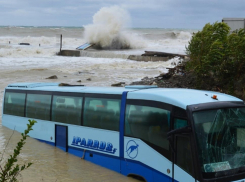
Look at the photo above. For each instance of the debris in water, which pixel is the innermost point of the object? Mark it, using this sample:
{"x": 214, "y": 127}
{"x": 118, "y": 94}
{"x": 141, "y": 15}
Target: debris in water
{"x": 52, "y": 77}
{"x": 120, "y": 84}
{"x": 24, "y": 43}
{"x": 84, "y": 46}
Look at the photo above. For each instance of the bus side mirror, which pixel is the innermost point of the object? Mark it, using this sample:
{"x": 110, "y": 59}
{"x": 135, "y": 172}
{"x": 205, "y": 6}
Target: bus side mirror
{"x": 186, "y": 129}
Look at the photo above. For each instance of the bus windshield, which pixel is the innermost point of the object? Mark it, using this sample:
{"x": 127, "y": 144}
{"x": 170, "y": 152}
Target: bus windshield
{"x": 220, "y": 135}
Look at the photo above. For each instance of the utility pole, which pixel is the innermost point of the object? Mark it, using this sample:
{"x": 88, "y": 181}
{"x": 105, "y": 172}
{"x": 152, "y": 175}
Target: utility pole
{"x": 60, "y": 42}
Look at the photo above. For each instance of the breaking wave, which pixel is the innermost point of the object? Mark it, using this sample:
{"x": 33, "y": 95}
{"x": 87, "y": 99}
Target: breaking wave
{"x": 108, "y": 30}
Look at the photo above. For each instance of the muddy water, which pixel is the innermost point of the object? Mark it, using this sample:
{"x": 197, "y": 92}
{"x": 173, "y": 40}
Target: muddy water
{"x": 49, "y": 163}
{"x": 52, "y": 164}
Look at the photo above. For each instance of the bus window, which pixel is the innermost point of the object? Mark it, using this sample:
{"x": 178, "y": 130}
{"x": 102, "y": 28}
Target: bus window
{"x": 102, "y": 113}
{"x": 220, "y": 135}
{"x": 38, "y": 106}
{"x": 179, "y": 123}
{"x": 148, "y": 123}
{"x": 14, "y": 103}
{"x": 67, "y": 109}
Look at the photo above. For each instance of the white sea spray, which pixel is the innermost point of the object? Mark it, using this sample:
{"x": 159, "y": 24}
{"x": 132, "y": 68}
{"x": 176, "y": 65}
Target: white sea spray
{"x": 108, "y": 30}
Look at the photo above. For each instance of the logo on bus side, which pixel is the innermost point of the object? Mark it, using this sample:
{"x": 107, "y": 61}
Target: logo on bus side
{"x": 93, "y": 144}
{"x": 132, "y": 149}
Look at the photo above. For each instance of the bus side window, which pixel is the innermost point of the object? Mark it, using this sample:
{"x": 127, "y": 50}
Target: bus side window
{"x": 102, "y": 113}
{"x": 14, "y": 103}
{"x": 148, "y": 123}
{"x": 127, "y": 127}
{"x": 38, "y": 106}
{"x": 92, "y": 111}
{"x": 67, "y": 109}
{"x": 8, "y": 104}
{"x": 179, "y": 123}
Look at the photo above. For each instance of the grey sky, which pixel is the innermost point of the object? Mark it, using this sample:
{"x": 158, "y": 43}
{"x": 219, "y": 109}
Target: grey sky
{"x": 144, "y": 13}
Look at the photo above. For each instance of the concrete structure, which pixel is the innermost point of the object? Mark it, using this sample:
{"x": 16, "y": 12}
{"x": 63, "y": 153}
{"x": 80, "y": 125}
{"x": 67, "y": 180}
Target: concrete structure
{"x": 77, "y": 53}
{"x": 109, "y": 54}
{"x": 235, "y": 23}
{"x": 72, "y": 53}
{"x": 147, "y": 58}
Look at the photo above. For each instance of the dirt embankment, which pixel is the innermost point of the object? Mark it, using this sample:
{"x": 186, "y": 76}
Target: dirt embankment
{"x": 179, "y": 77}
{"x": 176, "y": 78}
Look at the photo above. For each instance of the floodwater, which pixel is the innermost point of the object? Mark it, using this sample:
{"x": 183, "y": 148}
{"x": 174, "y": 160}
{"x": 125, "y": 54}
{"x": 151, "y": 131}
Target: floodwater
{"x": 52, "y": 164}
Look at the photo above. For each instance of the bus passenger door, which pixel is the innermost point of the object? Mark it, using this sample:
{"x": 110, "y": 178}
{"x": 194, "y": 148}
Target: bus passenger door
{"x": 183, "y": 164}
{"x": 61, "y": 137}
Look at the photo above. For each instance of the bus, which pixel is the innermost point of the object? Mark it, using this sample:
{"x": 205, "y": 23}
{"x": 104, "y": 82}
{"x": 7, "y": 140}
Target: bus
{"x": 154, "y": 134}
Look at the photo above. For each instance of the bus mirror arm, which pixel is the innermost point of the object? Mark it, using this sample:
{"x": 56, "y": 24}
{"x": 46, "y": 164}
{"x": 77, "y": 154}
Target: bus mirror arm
{"x": 186, "y": 129}
{"x": 171, "y": 143}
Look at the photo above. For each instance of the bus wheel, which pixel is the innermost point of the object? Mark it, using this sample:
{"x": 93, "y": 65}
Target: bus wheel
{"x": 138, "y": 177}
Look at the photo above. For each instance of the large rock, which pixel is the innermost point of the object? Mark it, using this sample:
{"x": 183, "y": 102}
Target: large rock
{"x": 119, "y": 84}
{"x": 52, "y": 77}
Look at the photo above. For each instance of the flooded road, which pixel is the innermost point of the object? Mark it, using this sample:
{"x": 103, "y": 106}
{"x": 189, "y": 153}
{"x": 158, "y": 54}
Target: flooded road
{"x": 52, "y": 164}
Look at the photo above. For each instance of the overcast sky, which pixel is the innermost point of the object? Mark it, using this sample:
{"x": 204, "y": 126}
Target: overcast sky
{"x": 193, "y": 14}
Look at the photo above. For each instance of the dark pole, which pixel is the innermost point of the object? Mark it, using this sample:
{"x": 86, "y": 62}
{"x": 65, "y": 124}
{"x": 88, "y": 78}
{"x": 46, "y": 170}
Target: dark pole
{"x": 60, "y": 42}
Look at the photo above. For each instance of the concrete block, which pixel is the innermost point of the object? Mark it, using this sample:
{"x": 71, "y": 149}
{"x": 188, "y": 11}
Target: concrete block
{"x": 73, "y": 53}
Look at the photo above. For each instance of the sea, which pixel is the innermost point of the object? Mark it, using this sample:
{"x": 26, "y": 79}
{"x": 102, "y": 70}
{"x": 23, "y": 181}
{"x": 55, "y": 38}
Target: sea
{"x": 95, "y": 67}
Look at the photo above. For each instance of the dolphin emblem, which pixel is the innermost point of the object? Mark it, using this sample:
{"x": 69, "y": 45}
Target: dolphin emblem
{"x": 132, "y": 148}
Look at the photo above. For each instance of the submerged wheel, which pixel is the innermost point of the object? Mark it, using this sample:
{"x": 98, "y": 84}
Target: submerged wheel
{"x": 138, "y": 177}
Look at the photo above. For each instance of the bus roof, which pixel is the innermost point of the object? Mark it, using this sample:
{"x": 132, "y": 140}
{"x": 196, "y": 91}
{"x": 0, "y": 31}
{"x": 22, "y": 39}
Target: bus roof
{"x": 175, "y": 96}
{"x": 181, "y": 97}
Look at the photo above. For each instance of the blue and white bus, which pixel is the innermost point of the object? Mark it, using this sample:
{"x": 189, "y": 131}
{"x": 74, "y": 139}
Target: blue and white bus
{"x": 156, "y": 134}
